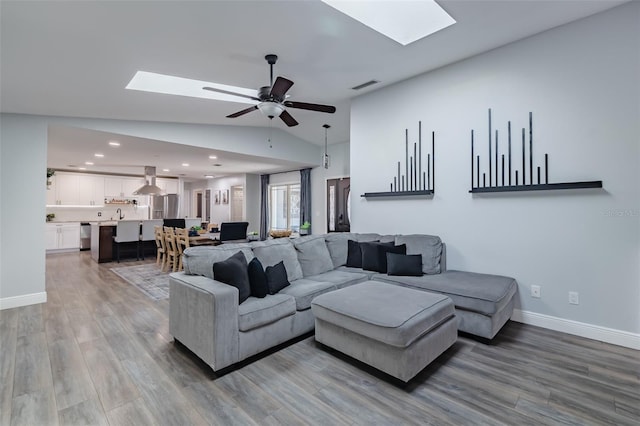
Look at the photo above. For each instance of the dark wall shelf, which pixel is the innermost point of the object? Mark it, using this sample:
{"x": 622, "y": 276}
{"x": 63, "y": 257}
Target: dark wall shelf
{"x": 397, "y": 194}
{"x": 539, "y": 187}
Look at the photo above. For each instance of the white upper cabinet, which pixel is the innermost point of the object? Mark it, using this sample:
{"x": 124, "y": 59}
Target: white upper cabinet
{"x": 91, "y": 190}
{"x": 121, "y": 187}
{"x": 68, "y": 189}
{"x": 170, "y": 186}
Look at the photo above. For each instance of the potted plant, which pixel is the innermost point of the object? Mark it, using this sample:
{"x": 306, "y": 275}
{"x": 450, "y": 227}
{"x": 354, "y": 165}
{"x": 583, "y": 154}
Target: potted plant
{"x": 305, "y": 228}
{"x": 50, "y": 173}
{"x": 253, "y": 236}
{"x": 50, "y": 217}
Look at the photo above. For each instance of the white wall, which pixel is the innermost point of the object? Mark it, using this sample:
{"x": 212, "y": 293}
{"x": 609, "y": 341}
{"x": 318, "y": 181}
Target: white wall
{"x": 338, "y": 168}
{"x": 23, "y": 156}
{"x": 582, "y": 82}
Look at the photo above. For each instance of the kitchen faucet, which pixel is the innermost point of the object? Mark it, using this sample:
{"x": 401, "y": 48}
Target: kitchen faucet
{"x": 119, "y": 211}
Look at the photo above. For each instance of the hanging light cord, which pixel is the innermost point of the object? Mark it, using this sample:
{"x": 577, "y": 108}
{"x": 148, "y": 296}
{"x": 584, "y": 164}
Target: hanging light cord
{"x": 270, "y": 131}
{"x": 326, "y": 156}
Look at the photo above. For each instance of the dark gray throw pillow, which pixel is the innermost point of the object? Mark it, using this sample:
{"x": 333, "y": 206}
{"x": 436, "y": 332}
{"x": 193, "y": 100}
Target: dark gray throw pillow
{"x": 233, "y": 271}
{"x": 354, "y": 254}
{"x": 257, "y": 279}
{"x": 276, "y": 277}
{"x": 404, "y": 264}
{"x": 374, "y": 255}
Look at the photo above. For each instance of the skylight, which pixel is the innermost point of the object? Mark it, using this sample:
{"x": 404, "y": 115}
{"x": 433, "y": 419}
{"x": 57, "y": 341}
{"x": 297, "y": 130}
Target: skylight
{"x": 400, "y": 20}
{"x": 171, "y": 85}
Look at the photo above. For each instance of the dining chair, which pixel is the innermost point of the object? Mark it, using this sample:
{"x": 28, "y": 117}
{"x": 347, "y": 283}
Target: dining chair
{"x": 182, "y": 242}
{"x": 127, "y": 231}
{"x": 171, "y": 249}
{"x": 160, "y": 246}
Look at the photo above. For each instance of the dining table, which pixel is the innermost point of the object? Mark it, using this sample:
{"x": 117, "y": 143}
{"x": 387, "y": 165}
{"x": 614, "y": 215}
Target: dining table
{"x": 206, "y": 239}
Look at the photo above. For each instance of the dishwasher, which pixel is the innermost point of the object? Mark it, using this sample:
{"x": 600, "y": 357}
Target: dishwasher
{"x": 85, "y": 236}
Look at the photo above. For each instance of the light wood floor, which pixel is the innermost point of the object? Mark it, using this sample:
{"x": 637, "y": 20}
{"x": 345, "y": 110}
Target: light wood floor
{"x": 99, "y": 352}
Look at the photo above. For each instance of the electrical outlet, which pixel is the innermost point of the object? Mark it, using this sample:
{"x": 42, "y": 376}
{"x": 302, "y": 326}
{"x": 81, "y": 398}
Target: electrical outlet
{"x": 573, "y": 298}
{"x": 535, "y": 291}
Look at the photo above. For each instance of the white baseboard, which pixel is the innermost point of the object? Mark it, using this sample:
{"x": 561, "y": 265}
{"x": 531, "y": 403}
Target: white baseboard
{"x": 595, "y": 332}
{"x": 24, "y": 300}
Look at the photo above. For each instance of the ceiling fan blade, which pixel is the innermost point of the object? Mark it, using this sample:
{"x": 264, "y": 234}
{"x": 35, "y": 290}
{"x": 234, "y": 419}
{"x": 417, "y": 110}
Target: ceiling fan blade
{"x": 288, "y": 119}
{"x": 243, "y": 112}
{"x": 226, "y": 92}
{"x": 280, "y": 87}
{"x": 312, "y": 107}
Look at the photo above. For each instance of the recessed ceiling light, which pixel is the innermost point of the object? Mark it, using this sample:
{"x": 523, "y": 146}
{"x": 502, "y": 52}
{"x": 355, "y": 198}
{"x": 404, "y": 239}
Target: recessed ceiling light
{"x": 89, "y": 163}
{"x": 212, "y": 157}
{"x": 401, "y": 21}
{"x": 98, "y": 155}
{"x": 185, "y": 164}
{"x": 82, "y": 168}
{"x": 166, "y": 170}
{"x": 208, "y": 176}
{"x": 159, "y": 83}
{"x": 114, "y": 143}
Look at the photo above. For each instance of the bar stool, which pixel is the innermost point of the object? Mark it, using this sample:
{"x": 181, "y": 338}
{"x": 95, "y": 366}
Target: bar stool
{"x": 148, "y": 232}
{"x": 127, "y": 231}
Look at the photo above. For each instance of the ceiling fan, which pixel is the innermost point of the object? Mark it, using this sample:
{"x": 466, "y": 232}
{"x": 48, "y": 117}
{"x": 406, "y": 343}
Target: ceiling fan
{"x": 272, "y": 99}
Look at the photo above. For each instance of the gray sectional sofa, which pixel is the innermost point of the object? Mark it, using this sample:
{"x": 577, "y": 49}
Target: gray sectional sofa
{"x": 206, "y": 317}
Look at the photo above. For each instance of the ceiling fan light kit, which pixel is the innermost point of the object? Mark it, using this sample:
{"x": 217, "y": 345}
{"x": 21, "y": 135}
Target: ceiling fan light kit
{"x": 271, "y": 99}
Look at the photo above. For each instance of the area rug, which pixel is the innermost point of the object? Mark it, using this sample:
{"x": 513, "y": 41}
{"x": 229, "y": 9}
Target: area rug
{"x": 148, "y": 278}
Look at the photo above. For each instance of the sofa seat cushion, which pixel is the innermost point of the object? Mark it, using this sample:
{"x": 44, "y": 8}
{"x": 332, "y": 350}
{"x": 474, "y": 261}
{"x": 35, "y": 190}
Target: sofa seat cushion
{"x": 304, "y": 291}
{"x": 256, "y": 312}
{"x": 482, "y": 293}
{"x": 351, "y": 270}
{"x": 341, "y": 278}
{"x": 384, "y": 312}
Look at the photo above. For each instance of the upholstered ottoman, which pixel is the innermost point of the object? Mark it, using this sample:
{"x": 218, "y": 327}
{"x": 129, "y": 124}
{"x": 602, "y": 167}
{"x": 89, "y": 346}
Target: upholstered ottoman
{"x": 395, "y": 329}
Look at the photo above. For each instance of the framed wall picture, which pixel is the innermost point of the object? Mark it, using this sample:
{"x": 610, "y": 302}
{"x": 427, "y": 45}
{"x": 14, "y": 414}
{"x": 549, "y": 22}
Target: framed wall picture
{"x": 225, "y": 196}
{"x": 216, "y": 197}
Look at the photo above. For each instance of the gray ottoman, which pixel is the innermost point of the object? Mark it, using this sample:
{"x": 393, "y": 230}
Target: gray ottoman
{"x": 395, "y": 329}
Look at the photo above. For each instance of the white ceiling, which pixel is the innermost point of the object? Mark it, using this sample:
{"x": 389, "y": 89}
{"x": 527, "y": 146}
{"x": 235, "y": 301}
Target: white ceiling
{"x": 75, "y": 58}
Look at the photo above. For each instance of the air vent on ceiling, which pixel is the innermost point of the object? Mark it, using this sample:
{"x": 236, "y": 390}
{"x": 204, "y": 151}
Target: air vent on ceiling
{"x": 367, "y": 84}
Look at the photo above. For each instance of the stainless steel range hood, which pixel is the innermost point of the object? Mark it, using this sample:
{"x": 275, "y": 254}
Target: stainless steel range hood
{"x": 150, "y": 187}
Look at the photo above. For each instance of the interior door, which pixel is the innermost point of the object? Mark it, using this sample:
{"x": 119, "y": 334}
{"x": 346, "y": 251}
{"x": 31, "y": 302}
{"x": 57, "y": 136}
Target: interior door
{"x": 338, "y": 205}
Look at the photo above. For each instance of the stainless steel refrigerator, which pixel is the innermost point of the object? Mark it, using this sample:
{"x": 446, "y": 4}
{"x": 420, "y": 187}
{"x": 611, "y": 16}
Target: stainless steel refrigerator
{"x": 165, "y": 206}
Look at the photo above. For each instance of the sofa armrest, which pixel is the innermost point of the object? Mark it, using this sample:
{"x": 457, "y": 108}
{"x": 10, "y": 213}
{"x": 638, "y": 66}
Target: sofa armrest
{"x": 203, "y": 316}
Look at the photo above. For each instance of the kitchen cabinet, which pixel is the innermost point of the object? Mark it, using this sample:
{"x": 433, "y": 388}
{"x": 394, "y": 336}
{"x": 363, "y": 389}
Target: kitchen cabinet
{"x": 62, "y": 236}
{"x": 91, "y": 190}
{"x": 170, "y": 186}
{"x": 74, "y": 189}
{"x": 102, "y": 242}
{"x": 121, "y": 187}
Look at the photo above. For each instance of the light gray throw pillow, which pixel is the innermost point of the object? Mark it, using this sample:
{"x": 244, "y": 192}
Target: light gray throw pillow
{"x": 313, "y": 255}
{"x": 429, "y": 246}
{"x": 285, "y": 252}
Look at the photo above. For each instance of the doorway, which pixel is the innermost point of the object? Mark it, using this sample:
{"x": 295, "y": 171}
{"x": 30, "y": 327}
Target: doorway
{"x": 237, "y": 203}
{"x": 338, "y": 205}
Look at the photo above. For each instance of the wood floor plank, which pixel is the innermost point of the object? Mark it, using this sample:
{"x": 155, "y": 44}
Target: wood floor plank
{"x": 8, "y": 339}
{"x": 216, "y": 406}
{"x": 88, "y": 412}
{"x": 110, "y": 379}
{"x": 84, "y": 326}
{"x": 160, "y": 394}
{"x": 71, "y": 380}
{"x": 134, "y": 413}
{"x": 32, "y": 367}
{"x": 30, "y": 320}
{"x": 35, "y": 408}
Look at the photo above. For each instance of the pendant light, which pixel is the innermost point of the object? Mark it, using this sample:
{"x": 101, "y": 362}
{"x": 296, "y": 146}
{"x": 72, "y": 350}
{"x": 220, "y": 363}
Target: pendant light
{"x": 325, "y": 158}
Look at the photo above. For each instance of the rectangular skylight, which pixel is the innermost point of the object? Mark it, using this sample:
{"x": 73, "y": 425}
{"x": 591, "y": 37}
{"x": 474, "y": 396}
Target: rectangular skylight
{"x": 171, "y": 85}
{"x": 400, "y": 20}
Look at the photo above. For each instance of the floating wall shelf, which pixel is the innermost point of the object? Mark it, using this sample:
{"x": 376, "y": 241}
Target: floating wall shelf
{"x": 415, "y": 182}
{"x": 520, "y": 182}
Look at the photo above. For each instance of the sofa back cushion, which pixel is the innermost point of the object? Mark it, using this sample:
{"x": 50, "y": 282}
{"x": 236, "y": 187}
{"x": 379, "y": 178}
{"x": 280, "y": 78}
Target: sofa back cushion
{"x": 429, "y": 246}
{"x": 200, "y": 260}
{"x": 313, "y": 255}
{"x": 337, "y": 247}
{"x": 271, "y": 254}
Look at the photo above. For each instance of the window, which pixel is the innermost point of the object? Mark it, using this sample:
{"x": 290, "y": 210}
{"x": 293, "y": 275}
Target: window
{"x": 284, "y": 207}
